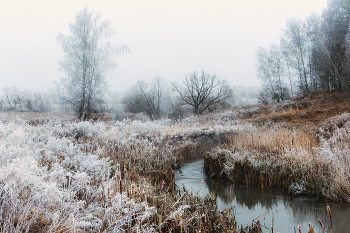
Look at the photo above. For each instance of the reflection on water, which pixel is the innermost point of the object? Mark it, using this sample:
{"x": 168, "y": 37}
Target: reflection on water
{"x": 286, "y": 212}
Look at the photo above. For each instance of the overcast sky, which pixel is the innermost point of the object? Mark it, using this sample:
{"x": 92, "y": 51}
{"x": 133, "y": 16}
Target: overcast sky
{"x": 166, "y": 38}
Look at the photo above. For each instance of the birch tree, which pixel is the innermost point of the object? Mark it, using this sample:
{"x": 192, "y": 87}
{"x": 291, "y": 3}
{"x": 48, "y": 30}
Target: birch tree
{"x": 87, "y": 59}
{"x": 294, "y": 42}
{"x": 272, "y": 71}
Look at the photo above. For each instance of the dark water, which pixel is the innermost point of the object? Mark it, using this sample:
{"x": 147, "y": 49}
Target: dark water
{"x": 286, "y": 211}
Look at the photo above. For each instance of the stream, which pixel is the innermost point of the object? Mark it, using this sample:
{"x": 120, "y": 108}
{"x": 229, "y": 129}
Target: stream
{"x": 286, "y": 212}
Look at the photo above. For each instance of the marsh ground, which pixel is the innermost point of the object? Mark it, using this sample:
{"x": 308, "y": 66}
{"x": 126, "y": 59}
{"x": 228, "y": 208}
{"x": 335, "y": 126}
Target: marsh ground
{"x": 62, "y": 175}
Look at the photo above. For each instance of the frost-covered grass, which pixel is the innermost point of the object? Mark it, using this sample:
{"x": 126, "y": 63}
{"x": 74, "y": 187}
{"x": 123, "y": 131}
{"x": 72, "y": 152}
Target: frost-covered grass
{"x": 61, "y": 175}
{"x": 294, "y": 159}
{"x": 58, "y": 174}
{"x": 53, "y": 178}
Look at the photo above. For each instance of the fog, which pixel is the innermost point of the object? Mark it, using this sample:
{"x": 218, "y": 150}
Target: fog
{"x": 166, "y": 38}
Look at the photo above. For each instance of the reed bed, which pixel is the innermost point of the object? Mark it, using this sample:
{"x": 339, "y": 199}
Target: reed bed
{"x": 274, "y": 139}
{"x": 294, "y": 160}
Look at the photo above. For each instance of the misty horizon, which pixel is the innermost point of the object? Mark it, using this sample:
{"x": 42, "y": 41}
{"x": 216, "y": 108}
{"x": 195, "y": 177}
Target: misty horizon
{"x": 168, "y": 40}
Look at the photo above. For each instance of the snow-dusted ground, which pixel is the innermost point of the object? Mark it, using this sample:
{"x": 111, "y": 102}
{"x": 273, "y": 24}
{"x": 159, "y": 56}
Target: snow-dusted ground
{"x": 53, "y": 177}
{"x": 56, "y": 174}
{"x": 61, "y": 175}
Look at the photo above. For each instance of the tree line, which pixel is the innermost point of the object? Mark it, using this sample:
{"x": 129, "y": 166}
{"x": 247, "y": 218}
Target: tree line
{"x": 13, "y": 99}
{"x": 196, "y": 93}
{"x": 88, "y": 56}
{"x": 152, "y": 100}
{"x": 312, "y": 55}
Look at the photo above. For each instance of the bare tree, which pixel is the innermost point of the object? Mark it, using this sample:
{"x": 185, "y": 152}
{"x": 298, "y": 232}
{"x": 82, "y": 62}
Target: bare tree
{"x": 203, "y": 91}
{"x": 272, "y": 71}
{"x": 264, "y": 96}
{"x": 265, "y": 71}
{"x": 289, "y": 72}
{"x": 335, "y": 25}
{"x": 146, "y": 98}
{"x": 87, "y": 59}
{"x": 158, "y": 87}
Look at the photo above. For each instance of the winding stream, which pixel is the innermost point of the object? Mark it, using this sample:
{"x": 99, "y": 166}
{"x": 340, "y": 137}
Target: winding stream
{"x": 287, "y": 212}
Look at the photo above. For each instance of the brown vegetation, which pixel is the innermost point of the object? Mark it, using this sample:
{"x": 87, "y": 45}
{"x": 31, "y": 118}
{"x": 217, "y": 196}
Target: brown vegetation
{"x": 306, "y": 109}
{"x": 289, "y": 151}
{"x": 141, "y": 159}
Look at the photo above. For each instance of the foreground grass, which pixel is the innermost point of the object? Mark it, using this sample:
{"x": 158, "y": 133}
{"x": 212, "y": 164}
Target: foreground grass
{"x": 62, "y": 175}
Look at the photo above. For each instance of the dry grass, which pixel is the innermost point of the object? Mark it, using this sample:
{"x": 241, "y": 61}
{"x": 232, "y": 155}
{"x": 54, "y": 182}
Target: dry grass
{"x": 309, "y": 109}
{"x": 176, "y": 211}
{"x": 294, "y": 160}
{"x": 274, "y": 139}
{"x": 288, "y": 150}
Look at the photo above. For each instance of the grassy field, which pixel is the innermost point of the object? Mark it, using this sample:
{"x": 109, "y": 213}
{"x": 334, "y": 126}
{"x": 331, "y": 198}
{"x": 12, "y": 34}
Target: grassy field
{"x": 62, "y": 175}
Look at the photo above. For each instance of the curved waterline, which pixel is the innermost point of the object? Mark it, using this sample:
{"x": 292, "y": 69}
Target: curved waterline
{"x": 286, "y": 211}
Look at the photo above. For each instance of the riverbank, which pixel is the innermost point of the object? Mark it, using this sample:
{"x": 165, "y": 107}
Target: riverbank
{"x": 269, "y": 206}
{"x": 293, "y": 160}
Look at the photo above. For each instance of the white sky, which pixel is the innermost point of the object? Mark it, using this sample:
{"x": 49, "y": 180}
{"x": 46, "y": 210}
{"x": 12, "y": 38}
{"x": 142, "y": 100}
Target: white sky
{"x": 166, "y": 38}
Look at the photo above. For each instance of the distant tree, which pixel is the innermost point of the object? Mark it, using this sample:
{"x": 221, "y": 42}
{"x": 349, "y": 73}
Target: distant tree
{"x": 264, "y": 96}
{"x": 313, "y": 31}
{"x": 175, "y": 108}
{"x": 158, "y": 88}
{"x": 146, "y": 98}
{"x": 37, "y": 101}
{"x": 14, "y": 98}
{"x": 335, "y": 24}
{"x": 116, "y": 107}
{"x": 245, "y": 95}
{"x": 295, "y": 45}
{"x": 2, "y": 101}
{"x": 289, "y": 72}
{"x": 87, "y": 59}
{"x": 315, "y": 53}
{"x": 272, "y": 71}
{"x": 203, "y": 91}
{"x": 265, "y": 70}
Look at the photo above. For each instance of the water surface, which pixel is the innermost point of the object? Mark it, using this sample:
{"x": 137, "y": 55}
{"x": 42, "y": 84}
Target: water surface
{"x": 249, "y": 203}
